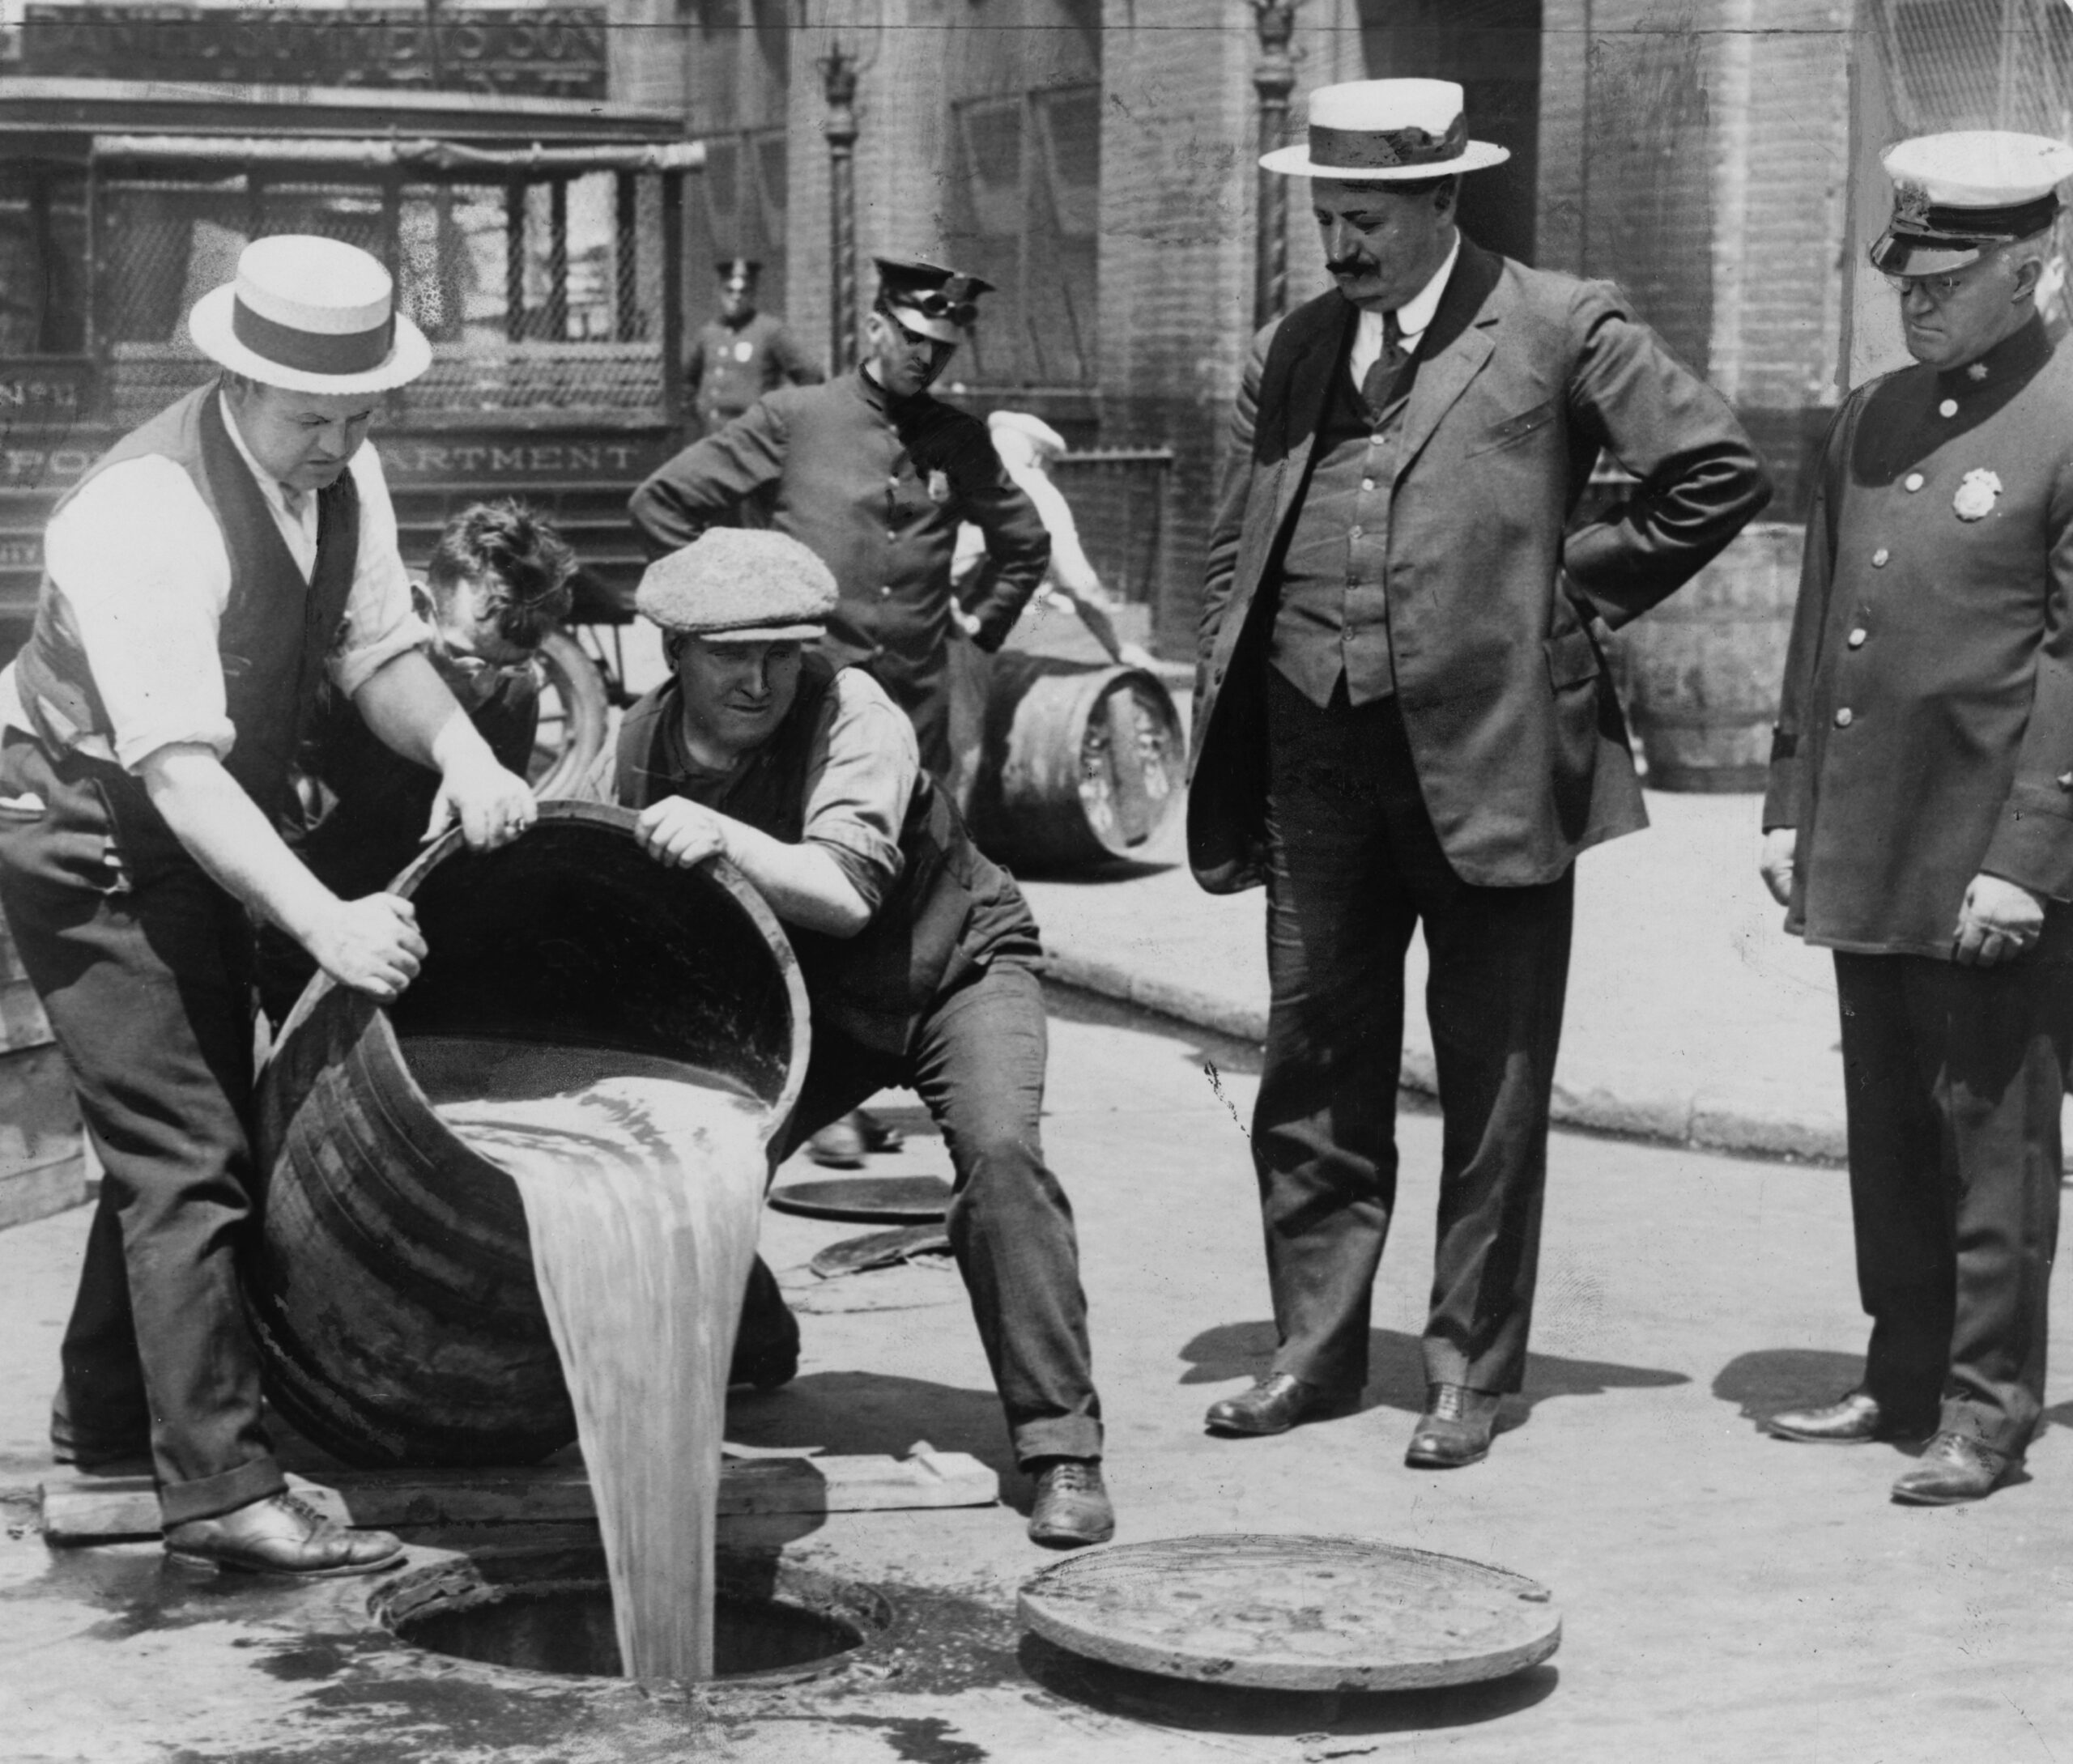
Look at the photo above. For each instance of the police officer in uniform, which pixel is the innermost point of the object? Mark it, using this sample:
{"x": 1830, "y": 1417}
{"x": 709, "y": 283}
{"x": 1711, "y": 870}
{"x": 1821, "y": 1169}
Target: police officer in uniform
{"x": 743, "y": 354}
{"x": 916, "y": 952}
{"x": 1919, "y": 821}
{"x": 199, "y": 582}
{"x": 873, "y": 475}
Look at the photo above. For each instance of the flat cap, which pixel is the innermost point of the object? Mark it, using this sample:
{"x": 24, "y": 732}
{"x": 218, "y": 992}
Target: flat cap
{"x": 734, "y": 585}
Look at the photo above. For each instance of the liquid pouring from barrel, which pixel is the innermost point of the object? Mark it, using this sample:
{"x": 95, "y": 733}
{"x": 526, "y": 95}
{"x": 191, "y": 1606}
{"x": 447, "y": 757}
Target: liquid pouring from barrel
{"x": 393, "y": 1289}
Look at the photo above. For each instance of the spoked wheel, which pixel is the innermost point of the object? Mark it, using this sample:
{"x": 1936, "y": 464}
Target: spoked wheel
{"x": 572, "y": 719}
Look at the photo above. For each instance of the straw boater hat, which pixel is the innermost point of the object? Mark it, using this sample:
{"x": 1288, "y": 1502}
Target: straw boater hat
{"x": 1386, "y": 131}
{"x": 738, "y": 584}
{"x": 1957, "y": 195}
{"x": 310, "y": 315}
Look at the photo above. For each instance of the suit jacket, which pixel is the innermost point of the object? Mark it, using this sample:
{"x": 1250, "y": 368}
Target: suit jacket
{"x": 1523, "y": 377}
{"x": 1926, "y": 729}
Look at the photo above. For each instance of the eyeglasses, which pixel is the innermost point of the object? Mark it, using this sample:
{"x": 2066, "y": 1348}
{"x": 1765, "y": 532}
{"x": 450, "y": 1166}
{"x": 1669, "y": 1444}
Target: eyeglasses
{"x": 1939, "y": 288}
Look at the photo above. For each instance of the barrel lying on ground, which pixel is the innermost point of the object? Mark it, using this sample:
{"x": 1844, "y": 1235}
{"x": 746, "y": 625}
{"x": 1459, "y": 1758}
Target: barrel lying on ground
{"x": 391, "y": 1287}
{"x": 1080, "y": 766}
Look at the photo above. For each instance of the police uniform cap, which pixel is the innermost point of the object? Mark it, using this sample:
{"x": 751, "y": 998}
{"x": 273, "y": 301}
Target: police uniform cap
{"x": 1957, "y": 195}
{"x": 930, "y": 299}
{"x": 736, "y": 585}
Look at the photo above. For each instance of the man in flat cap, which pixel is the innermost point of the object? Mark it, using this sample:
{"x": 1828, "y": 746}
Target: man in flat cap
{"x": 1402, "y": 718}
{"x": 743, "y": 353}
{"x": 916, "y": 950}
{"x": 201, "y": 579}
{"x": 1919, "y": 821}
{"x": 873, "y": 475}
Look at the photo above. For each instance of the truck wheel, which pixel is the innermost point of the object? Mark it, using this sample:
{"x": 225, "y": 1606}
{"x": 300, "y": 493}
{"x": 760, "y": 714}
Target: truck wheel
{"x": 572, "y": 716}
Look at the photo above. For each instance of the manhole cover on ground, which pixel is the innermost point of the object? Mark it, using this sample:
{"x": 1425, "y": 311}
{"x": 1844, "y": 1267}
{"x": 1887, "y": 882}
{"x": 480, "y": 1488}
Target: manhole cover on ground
{"x": 867, "y": 1200}
{"x": 1294, "y": 1613}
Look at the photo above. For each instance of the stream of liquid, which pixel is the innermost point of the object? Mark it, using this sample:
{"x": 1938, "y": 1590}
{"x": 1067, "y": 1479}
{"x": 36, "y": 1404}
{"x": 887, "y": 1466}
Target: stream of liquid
{"x": 643, "y": 1183}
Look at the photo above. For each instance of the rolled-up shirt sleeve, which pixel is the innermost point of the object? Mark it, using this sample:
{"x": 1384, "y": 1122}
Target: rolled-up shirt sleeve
{"x": 381, "y": 623}
{"x": 140, "y": 563}
{"x": 861, "y": 772}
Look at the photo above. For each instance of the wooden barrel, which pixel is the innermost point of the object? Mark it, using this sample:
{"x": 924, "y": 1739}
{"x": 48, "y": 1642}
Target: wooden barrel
{"x": 43, "y": 1164}
{"x": 1702, "y": 672}
{"x": 391, "y": 1285}
{"x": 1082, "y": 765}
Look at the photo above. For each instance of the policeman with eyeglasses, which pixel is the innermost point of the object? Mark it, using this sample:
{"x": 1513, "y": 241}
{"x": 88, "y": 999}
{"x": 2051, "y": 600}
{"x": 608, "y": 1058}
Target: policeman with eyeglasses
{"x": 1919, "y": 821}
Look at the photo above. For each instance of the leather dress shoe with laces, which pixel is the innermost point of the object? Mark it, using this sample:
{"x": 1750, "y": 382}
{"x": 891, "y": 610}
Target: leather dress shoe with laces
{"x": 1953, "y": 1467}
{"x": 1274, "y": 1405}
{"x": 1455, "y": 1430}
{"x": 1855, "y": 1418}
{"x": 844, "y": 1144}
{"x": 281, "y": 1535}
{"x": 1072, "y": 1506}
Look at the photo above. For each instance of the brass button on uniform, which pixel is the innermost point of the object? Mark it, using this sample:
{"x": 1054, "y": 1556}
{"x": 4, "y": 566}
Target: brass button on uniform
{"x": 885, "y": 594}
{"x": 1857, "y": 637}
{"x": 1948, "y": 407}
{"x": 2066, "y": 780}
{"x": 1880, "y": 558}
{"x": 1844, "y": 717}
{"x": 1913, "y": 481}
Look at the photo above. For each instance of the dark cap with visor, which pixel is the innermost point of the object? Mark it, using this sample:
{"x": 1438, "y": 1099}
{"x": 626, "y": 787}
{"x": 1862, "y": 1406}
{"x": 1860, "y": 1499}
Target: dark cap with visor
{"x": 1958, "y": 196}
{"x": 928, "y": 299}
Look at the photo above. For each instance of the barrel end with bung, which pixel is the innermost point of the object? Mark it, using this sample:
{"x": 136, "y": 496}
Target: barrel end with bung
{"x": 391, "y": 1285}
{"x": 1303, "y": 1614}
{"x": 1083, "y": 766}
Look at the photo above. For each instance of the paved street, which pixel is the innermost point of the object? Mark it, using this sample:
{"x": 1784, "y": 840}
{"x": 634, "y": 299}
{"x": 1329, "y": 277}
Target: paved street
{"x": 1725, "y": 1596}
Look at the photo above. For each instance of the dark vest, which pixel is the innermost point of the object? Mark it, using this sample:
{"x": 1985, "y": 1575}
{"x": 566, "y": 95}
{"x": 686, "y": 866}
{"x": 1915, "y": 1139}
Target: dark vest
{"x": 951, "y": 910}
{"x": 275, "y": 631}
{"x": 1334, "y": 614}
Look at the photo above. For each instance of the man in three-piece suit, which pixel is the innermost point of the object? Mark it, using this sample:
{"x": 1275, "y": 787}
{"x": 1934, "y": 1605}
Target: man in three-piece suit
{"x": 1402, "y": 716}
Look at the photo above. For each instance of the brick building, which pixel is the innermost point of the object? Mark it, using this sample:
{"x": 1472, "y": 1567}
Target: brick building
{"x": 1097, "y": 158}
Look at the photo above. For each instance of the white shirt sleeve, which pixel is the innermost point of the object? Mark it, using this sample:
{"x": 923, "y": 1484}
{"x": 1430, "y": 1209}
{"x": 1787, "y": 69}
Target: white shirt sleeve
{"x": 381, "y": 621}
{"x": 140, "y": 561}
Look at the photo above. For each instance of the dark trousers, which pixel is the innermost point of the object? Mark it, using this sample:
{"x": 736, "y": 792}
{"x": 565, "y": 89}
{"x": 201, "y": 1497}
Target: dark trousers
{"x": 1954, "y": 1077}
{"x": 148, "y": 990}
{"x": 1355, "y": 866}
{"x": 977, "y": 1062}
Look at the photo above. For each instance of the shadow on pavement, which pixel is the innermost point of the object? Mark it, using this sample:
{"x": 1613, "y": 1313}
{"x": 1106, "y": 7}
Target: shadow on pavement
{"x": 1766, "y": 1381}
{"x": 1318, "y": 1716}
{"x": 1396, "y": 1369}
{"x": 873, "y": 1413}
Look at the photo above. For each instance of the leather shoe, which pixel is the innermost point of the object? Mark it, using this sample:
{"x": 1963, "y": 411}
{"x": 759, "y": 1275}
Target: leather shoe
{"x": 1273, "y": 1405}
{"x": 1855, "y": 1418}
{"x": 282, "y": 1535}
{"x": 1954, "y": 1467}
{"x": 1072, "y": 1506}
{"x": 844, "y": 1144}
{"x": 1455, "y": 1429}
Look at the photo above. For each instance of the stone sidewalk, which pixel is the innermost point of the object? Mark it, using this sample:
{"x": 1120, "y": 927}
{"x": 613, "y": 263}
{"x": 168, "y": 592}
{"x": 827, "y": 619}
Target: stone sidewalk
{"x": 1692, "y": 1018}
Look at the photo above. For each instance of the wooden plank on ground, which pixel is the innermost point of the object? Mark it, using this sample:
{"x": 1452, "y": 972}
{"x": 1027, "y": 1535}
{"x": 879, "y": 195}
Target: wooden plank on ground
{"x": 83, "y": 1509}
{"x": 36, "y": 1193}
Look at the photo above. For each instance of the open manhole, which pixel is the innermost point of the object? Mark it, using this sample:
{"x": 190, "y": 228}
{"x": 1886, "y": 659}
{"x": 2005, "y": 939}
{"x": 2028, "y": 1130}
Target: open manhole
{"x": 549, "y": 1609}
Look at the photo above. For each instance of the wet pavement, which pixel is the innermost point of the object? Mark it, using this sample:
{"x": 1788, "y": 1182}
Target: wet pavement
{"x": 1725, "y": 1596}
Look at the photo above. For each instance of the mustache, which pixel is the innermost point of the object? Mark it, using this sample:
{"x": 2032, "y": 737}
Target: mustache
{"x": 1349, "y": 266}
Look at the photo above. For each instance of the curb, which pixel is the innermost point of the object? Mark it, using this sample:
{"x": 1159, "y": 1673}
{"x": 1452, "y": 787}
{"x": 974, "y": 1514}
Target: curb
{"x": 1686, "y": 1121}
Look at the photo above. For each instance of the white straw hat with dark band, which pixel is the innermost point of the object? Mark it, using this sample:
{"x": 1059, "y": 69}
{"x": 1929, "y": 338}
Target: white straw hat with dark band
{"x": 1386, "y": 131}
{"x": 310, "y": 314}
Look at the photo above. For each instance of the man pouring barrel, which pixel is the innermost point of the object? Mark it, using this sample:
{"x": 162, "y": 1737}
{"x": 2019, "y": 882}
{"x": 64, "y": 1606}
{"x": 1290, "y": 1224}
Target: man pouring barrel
{"x": 200, "y": 581}
{"x": 916, "y": 952}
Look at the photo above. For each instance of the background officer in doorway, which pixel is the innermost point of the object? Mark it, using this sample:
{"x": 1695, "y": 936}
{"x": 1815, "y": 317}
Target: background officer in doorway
{"x": 743, "y": 354}
{"x": 1920, "y": 814}
{"x": 1402, "y": 719}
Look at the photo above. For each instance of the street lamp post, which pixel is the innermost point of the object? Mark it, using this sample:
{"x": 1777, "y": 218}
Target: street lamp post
{"x": 838, "y": 76}
{"x": 1273, "y": 77}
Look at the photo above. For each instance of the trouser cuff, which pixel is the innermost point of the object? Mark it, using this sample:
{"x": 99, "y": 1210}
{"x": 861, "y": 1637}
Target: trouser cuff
{"x": 1069, "y": 1436}
{"x": 213, "y": 1496}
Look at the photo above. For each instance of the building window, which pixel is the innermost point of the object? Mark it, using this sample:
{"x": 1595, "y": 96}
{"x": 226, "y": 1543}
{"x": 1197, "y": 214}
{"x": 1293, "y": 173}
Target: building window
{"x": 1024, "y": 200}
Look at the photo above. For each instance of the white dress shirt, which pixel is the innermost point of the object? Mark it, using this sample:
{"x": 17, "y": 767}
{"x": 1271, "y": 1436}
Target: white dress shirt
{"x": 143, "y": 566}
{"x": 1413, "y": 318}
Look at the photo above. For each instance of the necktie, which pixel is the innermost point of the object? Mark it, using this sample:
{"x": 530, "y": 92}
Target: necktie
{"x": 1381, "y": 376}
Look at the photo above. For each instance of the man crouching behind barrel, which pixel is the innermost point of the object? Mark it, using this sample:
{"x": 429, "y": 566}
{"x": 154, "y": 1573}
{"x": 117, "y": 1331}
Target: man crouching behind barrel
{"x": 200, "y": 580}
{"x": 915, "y": 950}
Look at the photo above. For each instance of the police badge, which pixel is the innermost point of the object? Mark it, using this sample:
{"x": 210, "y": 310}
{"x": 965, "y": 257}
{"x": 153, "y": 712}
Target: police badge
{"x": 939, "y": 487}
{"x": 1976, "y": 496}
{"x": 1910, "y": 205}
